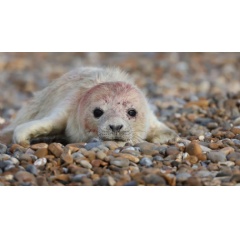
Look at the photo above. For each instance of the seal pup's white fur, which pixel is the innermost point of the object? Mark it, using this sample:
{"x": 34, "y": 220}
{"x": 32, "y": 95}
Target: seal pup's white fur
{"x": 89, "y": 103}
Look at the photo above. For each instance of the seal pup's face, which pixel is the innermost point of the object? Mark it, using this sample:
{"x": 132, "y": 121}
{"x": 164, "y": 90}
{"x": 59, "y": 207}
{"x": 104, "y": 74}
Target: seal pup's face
{"x": 114, "y": 111}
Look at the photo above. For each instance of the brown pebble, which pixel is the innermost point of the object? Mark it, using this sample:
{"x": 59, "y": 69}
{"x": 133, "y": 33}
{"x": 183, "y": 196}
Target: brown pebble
{"x": 66, "y": 156}
{"x": 127, "y": 156}
{"x": 192, "y": 159}
{"x": 42, "y": 152}
{"x": 194, "y": 148}
{"x": 56, "y": 149}
{"x": 39, "y": 146}
{"x": 235, "y": 130}
{"x": 193, "y": 181}
{"x": 172, "y": 150}
{"x": 25, "y": 177}
{"x": 96, "y": 162}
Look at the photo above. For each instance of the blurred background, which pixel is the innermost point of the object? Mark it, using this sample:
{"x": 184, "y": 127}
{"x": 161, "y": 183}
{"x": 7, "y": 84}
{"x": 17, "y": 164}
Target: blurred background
{"x": 170, "y": 80}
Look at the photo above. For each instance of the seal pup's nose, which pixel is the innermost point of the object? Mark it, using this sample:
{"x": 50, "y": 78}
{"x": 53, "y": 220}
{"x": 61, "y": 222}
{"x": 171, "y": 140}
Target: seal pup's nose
{"x": 116, "y": 128}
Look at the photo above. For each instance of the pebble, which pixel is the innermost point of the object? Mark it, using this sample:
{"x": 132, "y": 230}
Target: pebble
{"x": 41, "y": 152}
{"x": 194, "y": 148}
{"x": 56, "y": 149}
{"x": 39, "y": 146}
{"x": 92, "y": 145}
{"x": 128, "y": 156}
{"x": 85, "y": 164}
{"x": 100, "y": 155}
{"x": 14, "y": 160}
{"x": 25, "y": 177}
{"x": 120, "y": 162}
{"x": 216, "y": 156}
{"x": 40, "y": 162}
{"x": 154, "y": 179}
{"x": 181, "y": 177}
{"x": 32, "y": 169}
{"x": 146, "y": 162}
{"x": 233, "y": 156}
{"x": 3, "y": 148}
{"x": 78, "y": 177}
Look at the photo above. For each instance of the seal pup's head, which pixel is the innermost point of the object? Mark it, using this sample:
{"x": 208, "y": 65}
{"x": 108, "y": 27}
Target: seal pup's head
{"x": 114, "y": 111}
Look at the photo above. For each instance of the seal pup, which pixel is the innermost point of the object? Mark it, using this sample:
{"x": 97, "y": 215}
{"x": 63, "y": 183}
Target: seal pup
{"x": 89, "y": 103}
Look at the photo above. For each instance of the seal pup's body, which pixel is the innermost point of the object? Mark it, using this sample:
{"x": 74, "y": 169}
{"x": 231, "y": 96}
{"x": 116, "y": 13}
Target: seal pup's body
{"x": 89, "y": 103}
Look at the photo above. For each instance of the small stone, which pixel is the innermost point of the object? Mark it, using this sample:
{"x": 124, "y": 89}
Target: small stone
{"x": 41, "y": 152}
{"x": 3, "y": 149}
{"x": 25, "y": 177}
{"x": 66, "y": 156}
{"x": 32, "y": 169}
{"x": 154, "y": 179}
{"x": 111, "y": 145}
{"x": 39, "y": 146}
{"x": 216, "y": 156}
{"x": 111, "y": 181}
{"x": 213, "y": 167}
{"x": 172, "y": 150}
{"x": 78, "y": 177}
{"x": 193, "y": 181}
{"x": 4, "y": 157}
{"x": 236, "y": 130}
{"x": 158, "y": 158}
{"x": 120, "y": 162}
{"x": 92, "y": 145}
{"x": 227, "y": 150}
{"x": 194, "y": 148}
{"x": 183, "y": 176}
{"x": 101, "y": 155}
{"x": 212, "y": 125}
{"x": 40, "y": 162}
{"x": 203, "y": 173}
{"x": 227, "y": 163}
{"x": 96, "y": 162}
{"x": 9, "y": 167}
{"x": 128, "y": 156}
{"x": 146, "y": 162}
{"x": 14, "y": 160}
{"x": 85, "y": 164}
{"x": 56, "y": 149}
{"x": 233, "y": 156}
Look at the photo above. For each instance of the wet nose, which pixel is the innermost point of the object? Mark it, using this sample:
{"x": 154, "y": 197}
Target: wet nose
{"x": 116, "y": 128}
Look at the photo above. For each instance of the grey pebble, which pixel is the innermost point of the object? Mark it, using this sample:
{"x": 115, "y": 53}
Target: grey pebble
{"x": 8, "y": 167}
{"x": 216, "y": 156}
{"x": 204, "y": 173}
{"x": 78, "y": 177}
{"x": 1, "y": 171}
{"x": 146, "y": 162}
{"x": 158, "y": 158}
{"x": 120, "y": 162}
{"x": 32, "y": 169}
{"x": 77, "y": 155}
{"x": 92, "y": 145}
{"x": 183, "y": 176}
{"x": 3, "y": 149}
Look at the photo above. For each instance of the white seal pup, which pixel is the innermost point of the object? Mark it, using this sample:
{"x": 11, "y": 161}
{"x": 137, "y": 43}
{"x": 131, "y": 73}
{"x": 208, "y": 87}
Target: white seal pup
{"x": 89, "y": 103}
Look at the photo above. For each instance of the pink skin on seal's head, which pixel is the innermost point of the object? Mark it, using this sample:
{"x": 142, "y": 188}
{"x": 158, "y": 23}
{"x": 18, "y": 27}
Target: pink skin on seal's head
{"x": 115, "y": 99}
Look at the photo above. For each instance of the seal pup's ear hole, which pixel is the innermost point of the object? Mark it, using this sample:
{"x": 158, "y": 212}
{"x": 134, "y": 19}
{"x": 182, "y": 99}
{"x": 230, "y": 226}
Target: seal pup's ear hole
{"x": 132, "y": 112}
{"x": 97, "y": 112}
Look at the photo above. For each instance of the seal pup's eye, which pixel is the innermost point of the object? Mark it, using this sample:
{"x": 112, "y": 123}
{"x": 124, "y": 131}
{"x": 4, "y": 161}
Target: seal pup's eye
{"x": 98, "y": 112}
{"x": 132, "y": 112}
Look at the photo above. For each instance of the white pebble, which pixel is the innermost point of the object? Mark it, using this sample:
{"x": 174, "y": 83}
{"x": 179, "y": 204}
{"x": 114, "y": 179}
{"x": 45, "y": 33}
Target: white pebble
{"x": 201, "y": 138}
{"x": 40, "y": 162}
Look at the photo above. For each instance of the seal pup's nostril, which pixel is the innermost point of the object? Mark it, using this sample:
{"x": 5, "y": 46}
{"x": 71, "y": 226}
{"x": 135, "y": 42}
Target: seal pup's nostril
{"x": 116, "y": 128}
